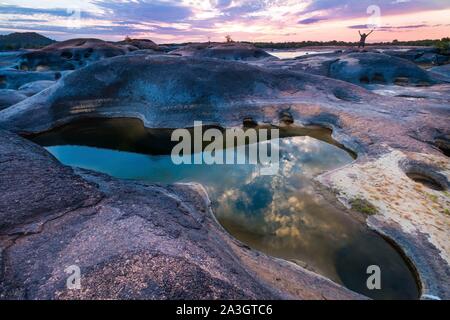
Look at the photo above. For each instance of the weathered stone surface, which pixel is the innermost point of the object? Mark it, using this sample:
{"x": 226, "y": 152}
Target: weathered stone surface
{"x": 432, "y": 58}
{"x": 439, "y": 93}
{"x": 318, "y": 64}
{"x": 14, "y": 79}
{"x": 140, "y": 44}
{"x": 130, "y": 240}
{"x": 360, "y": 68}
{"x": 9, "y": 59}
{"x": 143, "y": 86}
{"x": 56, "y": 191}
{"x": 145, "y": 52}
{"x": 224, "y": 51}
{"x": 377, "y": 68}
{"x": 70, "y": 55}
{"x": 411, "y": 54}
{"x": 8, "y": 97}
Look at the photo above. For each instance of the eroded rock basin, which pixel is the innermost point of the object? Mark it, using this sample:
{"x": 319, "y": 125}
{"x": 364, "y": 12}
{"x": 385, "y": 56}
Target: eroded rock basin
{"x": 282, "y": 215}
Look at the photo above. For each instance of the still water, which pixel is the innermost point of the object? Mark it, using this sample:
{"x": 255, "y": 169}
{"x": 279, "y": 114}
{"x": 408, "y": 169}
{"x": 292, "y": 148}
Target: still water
{"x": 281, "y": 215}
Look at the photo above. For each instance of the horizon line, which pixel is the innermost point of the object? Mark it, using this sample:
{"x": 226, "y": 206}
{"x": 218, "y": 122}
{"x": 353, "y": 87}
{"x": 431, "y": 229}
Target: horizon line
{"x": 236, "y": 41}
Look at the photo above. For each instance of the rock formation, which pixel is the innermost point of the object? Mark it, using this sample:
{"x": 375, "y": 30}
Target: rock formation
{"x": 8, "y": 97}
{"x": 69, "y": 55}
{"x": 224, "y": 51}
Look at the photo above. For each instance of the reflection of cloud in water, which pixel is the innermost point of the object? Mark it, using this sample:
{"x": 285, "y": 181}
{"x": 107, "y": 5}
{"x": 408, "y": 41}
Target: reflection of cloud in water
{"x": 282, "y": 214}
{"x": 285, "y": 206}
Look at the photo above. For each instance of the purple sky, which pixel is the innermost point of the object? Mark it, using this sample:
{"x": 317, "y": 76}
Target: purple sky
{"x": 253, "y": 20}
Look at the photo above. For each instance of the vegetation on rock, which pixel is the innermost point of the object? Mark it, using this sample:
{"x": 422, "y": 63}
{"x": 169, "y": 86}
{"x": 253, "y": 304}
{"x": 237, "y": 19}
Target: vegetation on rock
{"x": 363, "y": 206}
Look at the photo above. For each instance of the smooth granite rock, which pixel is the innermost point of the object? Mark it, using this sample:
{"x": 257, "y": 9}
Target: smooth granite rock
{"x": 360, "y": 68}
{"x": 421, "y": 55}
{"x": 14, "y": 79}
{"x": 143, "y": 86}
{"x": 377, "y": 68}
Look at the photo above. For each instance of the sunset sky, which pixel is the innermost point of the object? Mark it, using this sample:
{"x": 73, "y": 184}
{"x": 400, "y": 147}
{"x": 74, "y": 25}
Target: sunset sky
{"x": 167, "y": 21}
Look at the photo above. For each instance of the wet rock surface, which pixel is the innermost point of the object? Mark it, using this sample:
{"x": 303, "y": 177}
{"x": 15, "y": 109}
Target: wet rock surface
{"x": 130, "y": 240}
{"x": 140, "y": 44}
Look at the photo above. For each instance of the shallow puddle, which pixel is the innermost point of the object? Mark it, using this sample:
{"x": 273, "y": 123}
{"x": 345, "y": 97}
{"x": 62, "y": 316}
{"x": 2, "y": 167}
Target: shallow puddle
{"x": 281, "y": 215}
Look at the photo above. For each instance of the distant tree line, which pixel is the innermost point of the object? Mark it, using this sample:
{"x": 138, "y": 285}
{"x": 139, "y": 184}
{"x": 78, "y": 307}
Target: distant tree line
{"x": 302, "y": 44}
{"x": 12, "y": 47}
{"x": 443, "y": 44}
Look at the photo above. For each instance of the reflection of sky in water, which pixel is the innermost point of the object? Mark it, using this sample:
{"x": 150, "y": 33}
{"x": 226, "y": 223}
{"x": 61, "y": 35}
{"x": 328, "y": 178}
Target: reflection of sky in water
{"x": 281, "y": 214}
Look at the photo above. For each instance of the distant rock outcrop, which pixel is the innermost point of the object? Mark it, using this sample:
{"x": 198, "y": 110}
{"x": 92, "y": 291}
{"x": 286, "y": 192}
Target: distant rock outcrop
{"x": 139, "y": 44}
{"x": 225, "y": 51}
{"x": 14, "y": 79}
{"x": 70, "y": 55}
{"x": 360, "y": 68}
{"x": 10, "y": 97}
{"x": 52, "y": 216}
{"x": 443, "y": 72}
{"x": 365, "y": 68}
{"x": 23, "y": 40}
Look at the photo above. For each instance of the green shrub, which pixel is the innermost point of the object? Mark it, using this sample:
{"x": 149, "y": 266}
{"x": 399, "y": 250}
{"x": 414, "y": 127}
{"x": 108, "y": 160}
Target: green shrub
{"x": 363, "y": 206}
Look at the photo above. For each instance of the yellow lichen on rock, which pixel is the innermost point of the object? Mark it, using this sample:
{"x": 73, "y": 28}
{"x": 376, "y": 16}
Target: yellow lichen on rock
{"x": 397, "y": 198}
